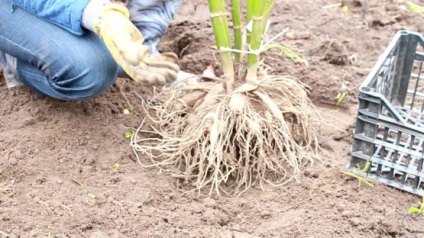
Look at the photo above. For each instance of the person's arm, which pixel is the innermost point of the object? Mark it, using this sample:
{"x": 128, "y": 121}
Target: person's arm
{"x": 152, "y": 17}
{"x": 64, "y": 13}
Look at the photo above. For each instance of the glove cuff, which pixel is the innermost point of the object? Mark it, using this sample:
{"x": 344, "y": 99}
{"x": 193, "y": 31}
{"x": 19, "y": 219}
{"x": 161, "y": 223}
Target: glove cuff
{"x": 92, "y": 12}
{"x": 104, "y": 11}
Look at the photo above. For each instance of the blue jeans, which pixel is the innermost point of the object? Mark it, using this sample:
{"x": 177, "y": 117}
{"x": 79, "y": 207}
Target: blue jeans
{"x": 52, "y": 61}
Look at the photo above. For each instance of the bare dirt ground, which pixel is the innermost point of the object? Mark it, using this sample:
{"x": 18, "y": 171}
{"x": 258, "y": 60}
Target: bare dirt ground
{"x": 57, "y": 176}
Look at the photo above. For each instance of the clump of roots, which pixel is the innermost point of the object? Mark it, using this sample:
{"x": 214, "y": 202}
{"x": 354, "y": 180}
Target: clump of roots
{"x": 228, "y": 141}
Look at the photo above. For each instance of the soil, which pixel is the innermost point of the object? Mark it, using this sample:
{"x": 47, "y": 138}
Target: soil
{"x": 58, "y": 166}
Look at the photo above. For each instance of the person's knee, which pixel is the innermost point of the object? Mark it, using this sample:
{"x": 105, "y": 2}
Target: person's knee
{"x": 87, "y": 78}
{"x": 101, "y": 76}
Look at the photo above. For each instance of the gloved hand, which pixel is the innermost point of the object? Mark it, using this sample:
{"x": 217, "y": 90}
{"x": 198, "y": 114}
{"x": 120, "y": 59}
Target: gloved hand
{"x": 125, "y": 43}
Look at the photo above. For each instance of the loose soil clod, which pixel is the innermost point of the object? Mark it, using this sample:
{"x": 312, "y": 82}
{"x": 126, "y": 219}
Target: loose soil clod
{"x": 333, "y": 52}
{"x": 304, "y": 35}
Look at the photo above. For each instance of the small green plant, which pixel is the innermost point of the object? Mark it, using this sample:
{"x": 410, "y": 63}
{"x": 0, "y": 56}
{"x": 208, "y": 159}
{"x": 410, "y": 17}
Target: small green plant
{"x": 116, "y": 166}
{"x": 413, "y": 7}
{"x": 289, "y": 53}
{"x": 344, "y": 7}
{"x": 418, "y": 9}
{"x": 92, "y": 195}
{"x": 341, "y": 95}
{"x": 419, "y": 209}
{"x": 363, "y": 170}
{"x": 128, "y": 134}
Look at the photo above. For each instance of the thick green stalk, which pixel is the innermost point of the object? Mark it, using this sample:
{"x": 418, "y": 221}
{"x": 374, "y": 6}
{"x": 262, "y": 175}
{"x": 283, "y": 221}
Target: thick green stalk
{"x": 250, "y": 7}
{"x": 223, "y": 39}
{"x": 257, "y": 32}
{"x": 238, "y": 41}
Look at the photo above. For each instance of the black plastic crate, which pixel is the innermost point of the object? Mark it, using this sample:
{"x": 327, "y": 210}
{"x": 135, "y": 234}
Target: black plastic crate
{"x": 389, "y": 130}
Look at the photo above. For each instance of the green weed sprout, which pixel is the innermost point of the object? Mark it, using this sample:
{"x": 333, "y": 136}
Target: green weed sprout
{"x": 344, "y": 7}
{"x": 419, "y": 209}
{"x": 289, "y": 53}
{"x": 418, "y": 9}
{"x": 128, "y": 134}
{"x": 116, "y": 166}
{"x": 413, "y": 7}
{"x": 359, "y": 178}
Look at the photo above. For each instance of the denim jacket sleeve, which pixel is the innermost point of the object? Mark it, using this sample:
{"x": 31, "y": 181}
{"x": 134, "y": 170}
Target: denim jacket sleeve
{"x": 64, "y": 13}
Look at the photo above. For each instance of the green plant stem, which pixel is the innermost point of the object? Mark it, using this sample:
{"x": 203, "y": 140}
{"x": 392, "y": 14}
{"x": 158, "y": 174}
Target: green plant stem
{"x": 250, "y": 7}
{"x": 223, "y": 39}
{"x": 238, "y": 41}
{"x": 238, "y": 36}
{"x": 257, "y": 32}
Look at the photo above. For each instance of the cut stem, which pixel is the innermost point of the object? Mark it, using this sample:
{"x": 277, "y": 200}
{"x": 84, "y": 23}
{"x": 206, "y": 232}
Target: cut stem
{"x": 223, "y": 39}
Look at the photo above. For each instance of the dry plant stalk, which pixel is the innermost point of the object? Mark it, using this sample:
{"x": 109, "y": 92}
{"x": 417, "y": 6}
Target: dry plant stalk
{"x": 227, "y": 137}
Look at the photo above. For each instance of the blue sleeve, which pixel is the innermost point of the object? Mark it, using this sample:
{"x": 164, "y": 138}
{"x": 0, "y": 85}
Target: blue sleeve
{"x": 64, "y": 13}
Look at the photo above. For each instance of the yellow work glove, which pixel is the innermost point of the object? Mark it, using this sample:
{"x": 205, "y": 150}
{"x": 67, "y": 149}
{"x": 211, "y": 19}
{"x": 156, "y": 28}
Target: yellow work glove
{"x": 125, "y": 43}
